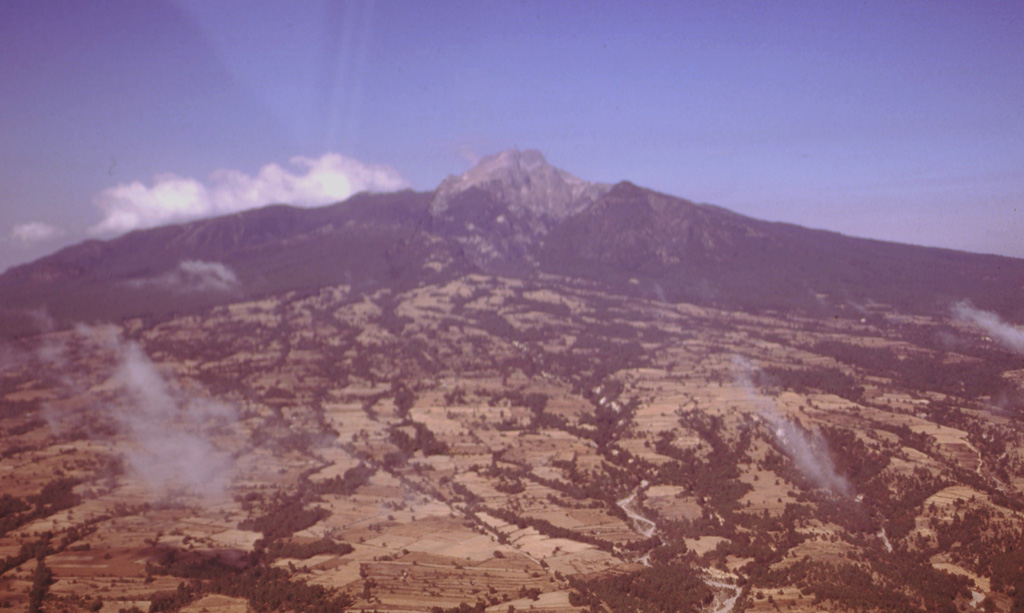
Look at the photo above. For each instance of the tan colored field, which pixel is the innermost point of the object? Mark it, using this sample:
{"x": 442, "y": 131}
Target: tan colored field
{"x": 479, "y": 442}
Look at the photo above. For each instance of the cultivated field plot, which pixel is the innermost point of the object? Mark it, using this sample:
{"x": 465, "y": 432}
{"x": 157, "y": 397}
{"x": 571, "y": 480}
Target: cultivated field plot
{"x": 497, "y": 444}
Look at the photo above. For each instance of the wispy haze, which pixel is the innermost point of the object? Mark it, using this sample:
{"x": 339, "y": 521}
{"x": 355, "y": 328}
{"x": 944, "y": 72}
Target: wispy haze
{"x": 193, "y": 276}
{"x": 1008, "y": 335}
{"x": 808, "y": 450}
{"x": 899, "y": 121}
{"x": 164, "y": 433}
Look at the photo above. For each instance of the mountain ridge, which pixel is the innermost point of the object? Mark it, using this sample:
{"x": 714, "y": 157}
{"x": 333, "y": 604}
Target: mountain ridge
{"x": 501, "y": 209}
{"x": 494, "y": 219}
{"x": 526, "y": 182}
{"x": 680, "y": 407}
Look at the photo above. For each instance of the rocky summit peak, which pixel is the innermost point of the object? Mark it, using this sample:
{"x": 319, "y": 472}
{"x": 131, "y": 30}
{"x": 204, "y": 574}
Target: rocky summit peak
{"x": 525, "y": 183}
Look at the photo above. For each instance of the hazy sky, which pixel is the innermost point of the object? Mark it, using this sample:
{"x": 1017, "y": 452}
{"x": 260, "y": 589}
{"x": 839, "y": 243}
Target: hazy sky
{"x": 896, "y": 120}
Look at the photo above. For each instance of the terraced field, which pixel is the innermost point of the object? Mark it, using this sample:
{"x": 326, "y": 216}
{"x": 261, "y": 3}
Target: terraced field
{"x": 495, "y": 443}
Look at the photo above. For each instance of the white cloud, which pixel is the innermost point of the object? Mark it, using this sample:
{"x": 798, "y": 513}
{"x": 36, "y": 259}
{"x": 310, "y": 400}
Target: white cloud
{"x": 171, "y": 431}
{"x": 133, "y": 205}
{"x": 309, "y": 182}
{"x": 1012, "y": 337}
{"x": 167, "y": 432}
{"x": 34, "y": 231}
{"x": 193, "y": 276}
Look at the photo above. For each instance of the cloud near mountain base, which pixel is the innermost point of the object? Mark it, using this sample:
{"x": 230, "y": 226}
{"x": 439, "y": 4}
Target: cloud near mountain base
{"x": 306, "y": 182}
{"x": 193, "y": 276}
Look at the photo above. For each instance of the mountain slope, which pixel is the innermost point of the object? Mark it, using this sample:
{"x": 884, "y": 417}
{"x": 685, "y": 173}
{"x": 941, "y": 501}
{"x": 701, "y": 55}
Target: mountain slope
{"x": 369, "y": 241}
{"x": 513, "y": 215}
{"x": 526, "y": 182}
{"x": 682, "y": 251}
{"x": 502, "y": 208}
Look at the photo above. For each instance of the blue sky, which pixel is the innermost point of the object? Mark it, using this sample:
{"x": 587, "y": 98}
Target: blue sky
{"x": 895, "y": 120}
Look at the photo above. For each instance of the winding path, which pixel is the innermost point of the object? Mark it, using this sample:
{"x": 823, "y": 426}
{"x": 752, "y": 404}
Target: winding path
{"x": 885, "y": 540}
{"x": 643, "y": 525}
{"x": 722, "y": 604}
{"x": 646, "y": 527}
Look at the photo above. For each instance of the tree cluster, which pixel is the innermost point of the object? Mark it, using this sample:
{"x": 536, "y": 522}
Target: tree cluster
{"x": 668, "y": 588}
